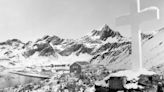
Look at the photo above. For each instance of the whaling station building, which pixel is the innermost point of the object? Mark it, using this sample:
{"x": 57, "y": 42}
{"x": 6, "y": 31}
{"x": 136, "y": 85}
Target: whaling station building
{"x": 78, "y": 66}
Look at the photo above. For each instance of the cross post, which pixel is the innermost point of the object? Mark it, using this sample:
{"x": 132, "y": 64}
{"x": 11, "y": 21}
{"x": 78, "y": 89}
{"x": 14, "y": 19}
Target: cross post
{"x": 134, "y": 19}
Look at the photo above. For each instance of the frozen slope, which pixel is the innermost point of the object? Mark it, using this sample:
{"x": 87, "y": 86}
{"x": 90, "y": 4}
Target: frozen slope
{"x": 153, "y": 50}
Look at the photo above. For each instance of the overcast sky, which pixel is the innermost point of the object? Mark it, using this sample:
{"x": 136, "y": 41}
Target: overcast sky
{"x": 32, "y": 19}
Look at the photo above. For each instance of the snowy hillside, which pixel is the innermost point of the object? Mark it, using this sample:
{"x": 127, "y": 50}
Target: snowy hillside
{"x": 120, "y": 56}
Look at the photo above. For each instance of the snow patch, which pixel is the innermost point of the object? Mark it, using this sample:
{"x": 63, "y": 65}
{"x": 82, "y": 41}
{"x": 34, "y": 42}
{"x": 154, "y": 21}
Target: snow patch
{"x": 133, "y": 86}
{"x": 111, "y": 40}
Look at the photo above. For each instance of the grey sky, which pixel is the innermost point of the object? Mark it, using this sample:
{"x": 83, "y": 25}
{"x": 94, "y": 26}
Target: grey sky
{"x": 32, "y": 19}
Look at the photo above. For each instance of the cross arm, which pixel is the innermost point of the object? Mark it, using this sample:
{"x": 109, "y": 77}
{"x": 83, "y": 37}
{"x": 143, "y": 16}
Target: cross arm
{"x": 149, "y": 14}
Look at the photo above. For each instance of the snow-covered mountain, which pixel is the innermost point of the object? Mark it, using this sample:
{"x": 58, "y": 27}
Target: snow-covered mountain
{"x": 104, "y": 46}
{"x": 54, "y": 49}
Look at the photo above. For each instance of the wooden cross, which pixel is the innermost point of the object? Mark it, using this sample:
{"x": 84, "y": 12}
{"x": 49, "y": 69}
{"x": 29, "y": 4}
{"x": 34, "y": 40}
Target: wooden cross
{"x": 135, "y": 18}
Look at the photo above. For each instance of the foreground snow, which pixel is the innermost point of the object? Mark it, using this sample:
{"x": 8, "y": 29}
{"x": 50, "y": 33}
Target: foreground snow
{"x": 132, "y": 75}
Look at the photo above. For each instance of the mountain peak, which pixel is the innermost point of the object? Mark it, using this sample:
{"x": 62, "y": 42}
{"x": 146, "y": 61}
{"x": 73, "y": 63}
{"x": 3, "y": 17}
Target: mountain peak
{"x": 106, "y": 28}
{"x": 107, "y": 32}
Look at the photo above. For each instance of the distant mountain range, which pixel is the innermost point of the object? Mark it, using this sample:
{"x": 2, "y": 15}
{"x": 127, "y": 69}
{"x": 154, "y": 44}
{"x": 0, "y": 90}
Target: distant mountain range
{"x": 105, "y": 46}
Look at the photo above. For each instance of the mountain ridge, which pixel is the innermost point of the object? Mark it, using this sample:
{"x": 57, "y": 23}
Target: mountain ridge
{"x": 104, "y": 46}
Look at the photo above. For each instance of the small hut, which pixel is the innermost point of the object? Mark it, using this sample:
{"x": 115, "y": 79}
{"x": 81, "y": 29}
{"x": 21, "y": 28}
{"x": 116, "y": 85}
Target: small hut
{"x": 78, "y": 66}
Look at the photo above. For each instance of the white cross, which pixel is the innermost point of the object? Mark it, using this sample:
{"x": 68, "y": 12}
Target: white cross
{"x": 135, "y": 18}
